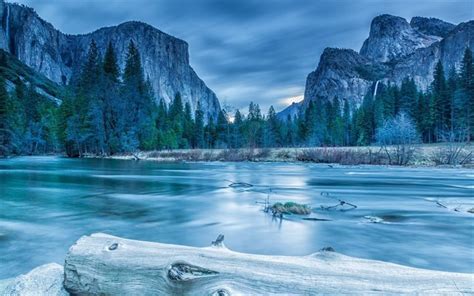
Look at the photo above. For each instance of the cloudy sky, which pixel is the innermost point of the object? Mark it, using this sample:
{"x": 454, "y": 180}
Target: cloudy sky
{"x": 250, "y": 50}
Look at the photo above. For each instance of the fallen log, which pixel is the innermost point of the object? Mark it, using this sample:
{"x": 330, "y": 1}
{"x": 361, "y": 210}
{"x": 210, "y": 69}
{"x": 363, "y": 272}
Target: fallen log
{"x": 102, "y": 264}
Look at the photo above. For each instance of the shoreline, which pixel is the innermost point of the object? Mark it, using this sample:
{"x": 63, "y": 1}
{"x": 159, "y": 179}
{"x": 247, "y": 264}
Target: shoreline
{"x": 373, "y": 155}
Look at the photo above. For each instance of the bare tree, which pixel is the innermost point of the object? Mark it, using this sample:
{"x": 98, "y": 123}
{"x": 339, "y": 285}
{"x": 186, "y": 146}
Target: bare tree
{"x": 398, "y": 138}
{"x": 455, "y": 149}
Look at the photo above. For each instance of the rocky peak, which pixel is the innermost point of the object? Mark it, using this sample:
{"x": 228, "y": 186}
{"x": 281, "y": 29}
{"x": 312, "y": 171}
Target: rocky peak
{"x": 292, "y": 111}
{"x": 431, "y": 26}
{"x": 340, "y": 59}
{"x": 339, "y": 74}
{"x": 392, "y": 37}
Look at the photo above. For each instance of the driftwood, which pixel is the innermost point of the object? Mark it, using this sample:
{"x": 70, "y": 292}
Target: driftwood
{"x": 341, "y": 203}
{"x": 101, "y": 264}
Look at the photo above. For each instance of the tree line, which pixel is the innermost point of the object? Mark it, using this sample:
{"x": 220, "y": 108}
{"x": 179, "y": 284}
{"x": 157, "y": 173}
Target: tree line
{"x": 105, "y": 111}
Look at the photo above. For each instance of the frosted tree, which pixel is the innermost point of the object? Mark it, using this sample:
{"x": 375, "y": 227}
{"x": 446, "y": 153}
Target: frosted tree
{"x": 398, "y": 138}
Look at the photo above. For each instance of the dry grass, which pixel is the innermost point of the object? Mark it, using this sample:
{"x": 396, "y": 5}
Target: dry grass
{"x": 426, "y": 155}
{"x": 342, "y": 156}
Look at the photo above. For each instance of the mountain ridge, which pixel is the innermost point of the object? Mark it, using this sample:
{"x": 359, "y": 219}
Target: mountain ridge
{"x": 395, "y": 55}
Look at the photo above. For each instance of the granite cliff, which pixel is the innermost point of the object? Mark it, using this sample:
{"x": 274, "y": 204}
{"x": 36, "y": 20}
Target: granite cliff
{"x": 395, "y": 49}
{"x": 57, "y": 56}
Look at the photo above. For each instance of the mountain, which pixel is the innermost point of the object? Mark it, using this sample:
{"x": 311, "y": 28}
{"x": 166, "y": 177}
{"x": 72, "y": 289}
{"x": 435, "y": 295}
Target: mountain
{"x": 394, "y": 50}
{"x": 340, "y": 74}
{"x": 58, "y": 56}
{"x": 431, "y": 26}
{"x": 392, "y": 37}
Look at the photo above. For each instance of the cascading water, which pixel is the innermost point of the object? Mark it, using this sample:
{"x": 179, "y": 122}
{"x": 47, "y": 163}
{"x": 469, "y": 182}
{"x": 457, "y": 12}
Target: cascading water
{"x": 375, "y": 89}
{"x": 7, "y": 25}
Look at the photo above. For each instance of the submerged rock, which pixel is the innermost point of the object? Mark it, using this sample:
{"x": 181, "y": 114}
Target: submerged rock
{"x": 374, "y": 219}
{"x": 290, "y": 208}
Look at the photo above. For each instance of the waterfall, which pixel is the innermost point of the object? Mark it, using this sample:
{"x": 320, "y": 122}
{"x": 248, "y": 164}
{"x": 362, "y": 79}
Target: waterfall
{"x": 7, "y": 26}
{"x": 375, "y": 89}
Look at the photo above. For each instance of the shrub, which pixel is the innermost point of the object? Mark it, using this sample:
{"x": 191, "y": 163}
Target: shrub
{"x": 342, "y": 156}
{"x": 283, "y": 154}
{"x": 398, "y": 138}
{"x": 454, "y": 150}
{"x": 263, "y": 153}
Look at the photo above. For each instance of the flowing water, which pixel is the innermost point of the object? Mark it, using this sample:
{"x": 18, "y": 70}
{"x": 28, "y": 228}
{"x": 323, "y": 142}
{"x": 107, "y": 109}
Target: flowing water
{"x": 47, "y": 203}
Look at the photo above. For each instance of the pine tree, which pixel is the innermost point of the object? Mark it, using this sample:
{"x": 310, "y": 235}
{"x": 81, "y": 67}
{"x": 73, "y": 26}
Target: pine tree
{"x": 111, "y": 68}
{"x": 210, "y": 133}
{"x": 308, "y": 125}
{"x": 336, "y": 124}
{"x": 91, "y": 69}
{"x": 408, "y": 96}
{"x": 451, "y": 89}
{"x": 113, "y": 104}
{"x": 133, "y": 73}
{"x": 346, "y": 119}
{"x": 467, "y": 85}
{"x": 199, "y": 141}
{"x": 138, "y": 95}
{"x": 291, "y": 138}
{"x": 222, "y": 130}
{"x": 254, "y": 126}
{"x": 272, "y": 136}
{"x": 365, "y": 122}
{"x": 188, "y": 125}
{"x": 5, "y": 132}
{"x": 176, "y": 118}
{"x": 441, "y": 100}
{"x": 66, "y": 111}
{"x": 236, "y": 131}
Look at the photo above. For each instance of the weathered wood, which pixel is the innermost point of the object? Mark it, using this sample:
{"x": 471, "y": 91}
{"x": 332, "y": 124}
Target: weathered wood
{"x": 108, "y": 265}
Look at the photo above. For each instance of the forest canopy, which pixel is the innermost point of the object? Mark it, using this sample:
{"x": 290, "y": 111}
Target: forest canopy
{"x": 105, "y": 111}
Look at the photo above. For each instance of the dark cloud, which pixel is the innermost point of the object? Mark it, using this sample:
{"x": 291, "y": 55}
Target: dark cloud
{"x": 249, "y": 49}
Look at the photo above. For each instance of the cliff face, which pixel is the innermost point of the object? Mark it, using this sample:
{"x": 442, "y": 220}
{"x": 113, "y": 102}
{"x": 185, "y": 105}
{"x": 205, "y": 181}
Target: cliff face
{"x": 339, "y": 74}
{"x": 420, "y": 65}
{"x": 431, "y": 26}
{"x": 392, "y": 37}
{"x": 165, "y": 58}
{"x": 394, "y": 50}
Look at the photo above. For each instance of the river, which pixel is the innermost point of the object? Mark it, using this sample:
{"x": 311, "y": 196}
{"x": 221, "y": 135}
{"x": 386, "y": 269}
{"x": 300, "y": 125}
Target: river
{"x": 47, "y": 203}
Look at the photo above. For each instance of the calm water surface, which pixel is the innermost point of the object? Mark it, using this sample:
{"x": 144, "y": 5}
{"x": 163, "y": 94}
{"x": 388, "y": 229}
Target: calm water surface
{"x": 47, "y": 203}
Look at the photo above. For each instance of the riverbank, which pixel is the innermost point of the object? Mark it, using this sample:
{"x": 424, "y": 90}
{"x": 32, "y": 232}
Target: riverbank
{"x": 423, "y": 155}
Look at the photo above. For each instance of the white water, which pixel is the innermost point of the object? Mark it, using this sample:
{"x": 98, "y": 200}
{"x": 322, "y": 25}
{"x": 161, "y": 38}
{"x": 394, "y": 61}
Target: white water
{"x": 7, "y": 26}
{"x": 376, "y": 86}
